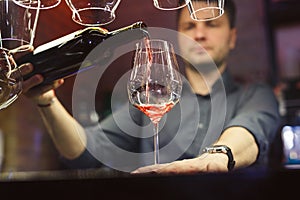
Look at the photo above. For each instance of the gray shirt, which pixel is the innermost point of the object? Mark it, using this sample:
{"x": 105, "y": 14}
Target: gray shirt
{"x": 124, "y": 140}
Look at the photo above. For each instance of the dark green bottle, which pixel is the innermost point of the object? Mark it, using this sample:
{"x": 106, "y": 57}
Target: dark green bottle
{"x": 63, "y": 57}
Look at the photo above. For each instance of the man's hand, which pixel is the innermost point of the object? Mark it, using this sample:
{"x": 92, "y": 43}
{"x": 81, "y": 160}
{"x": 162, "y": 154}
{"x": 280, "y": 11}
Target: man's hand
{"x": 216, "y": 162}
{"x": 31, "y": 89}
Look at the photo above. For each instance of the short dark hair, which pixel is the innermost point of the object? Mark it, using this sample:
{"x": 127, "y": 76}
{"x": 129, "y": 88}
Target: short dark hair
{"x": 229, "y": 7}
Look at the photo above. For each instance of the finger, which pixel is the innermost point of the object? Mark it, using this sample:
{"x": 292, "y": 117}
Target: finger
{"x": 41, "y": 89}
{"x": 37, "y": 91}
{"x": 142, "y": 170}
{"x": 58, "y": 83}
{"x": 149, "y": 169}
{"x": 32, "y": 82}
{"x": 26, "y": 68}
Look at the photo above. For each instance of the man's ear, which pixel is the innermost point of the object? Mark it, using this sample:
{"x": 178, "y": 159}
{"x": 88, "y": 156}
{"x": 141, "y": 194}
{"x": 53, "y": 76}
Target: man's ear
{"x": 233, "y": 38}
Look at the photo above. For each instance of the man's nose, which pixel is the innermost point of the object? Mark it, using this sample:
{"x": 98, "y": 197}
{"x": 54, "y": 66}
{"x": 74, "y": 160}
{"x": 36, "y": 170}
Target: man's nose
{"x": 200, "y": 32}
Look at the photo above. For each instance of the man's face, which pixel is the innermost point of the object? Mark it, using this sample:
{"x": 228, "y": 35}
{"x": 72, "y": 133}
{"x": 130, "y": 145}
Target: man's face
{"x": 214, "y": 38}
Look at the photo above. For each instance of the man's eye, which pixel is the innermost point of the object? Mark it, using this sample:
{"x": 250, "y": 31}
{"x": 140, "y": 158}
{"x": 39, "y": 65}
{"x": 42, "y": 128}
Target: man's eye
{"x": 188, "y": 26}
{"x": 212, "y": 23}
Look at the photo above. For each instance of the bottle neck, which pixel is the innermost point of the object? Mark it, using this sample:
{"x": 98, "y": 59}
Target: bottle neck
{"x": 138, "y": 25}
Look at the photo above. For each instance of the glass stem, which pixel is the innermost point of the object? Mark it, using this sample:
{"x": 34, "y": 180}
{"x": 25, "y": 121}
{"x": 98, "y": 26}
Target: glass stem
{"x": 156, "y": 144}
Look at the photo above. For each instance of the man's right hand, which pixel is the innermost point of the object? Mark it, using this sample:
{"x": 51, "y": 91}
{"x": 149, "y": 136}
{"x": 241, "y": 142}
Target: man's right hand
{"x": 39, "y": 94}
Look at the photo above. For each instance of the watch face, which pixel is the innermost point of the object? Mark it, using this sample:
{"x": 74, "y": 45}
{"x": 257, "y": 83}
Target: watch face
{"x": 216, "y": 149}
{"x": 221, "y": 149}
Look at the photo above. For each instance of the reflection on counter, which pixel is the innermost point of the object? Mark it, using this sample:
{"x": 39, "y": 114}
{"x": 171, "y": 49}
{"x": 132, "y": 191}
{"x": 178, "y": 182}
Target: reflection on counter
{"x": 61, "y": 175}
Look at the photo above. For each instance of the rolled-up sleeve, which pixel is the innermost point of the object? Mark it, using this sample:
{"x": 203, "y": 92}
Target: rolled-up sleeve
{"x": 258, "y": 112}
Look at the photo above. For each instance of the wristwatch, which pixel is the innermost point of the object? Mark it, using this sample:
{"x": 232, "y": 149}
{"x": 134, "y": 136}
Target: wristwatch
{"x": 222, "y": 149}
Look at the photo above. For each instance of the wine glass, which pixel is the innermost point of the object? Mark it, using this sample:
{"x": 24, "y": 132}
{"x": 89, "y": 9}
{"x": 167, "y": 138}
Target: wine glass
{"x": 93, "y": 13}
{"x": 17, "y": 31}
{"x": 155, "y": 84}
{"x": 207, "y": 10}
{"x": 38, "y": 4}
{"x": 10, "y": 79}
{"x": 170, "y": 4}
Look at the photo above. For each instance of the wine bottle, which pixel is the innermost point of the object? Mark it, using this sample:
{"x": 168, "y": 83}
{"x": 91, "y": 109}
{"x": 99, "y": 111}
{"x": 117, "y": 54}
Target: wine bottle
{"x": 63, "y": 57}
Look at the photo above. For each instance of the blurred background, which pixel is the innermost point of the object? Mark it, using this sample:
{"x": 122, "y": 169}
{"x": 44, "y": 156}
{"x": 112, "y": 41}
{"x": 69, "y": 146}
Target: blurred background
{"x": 268, "y": 49}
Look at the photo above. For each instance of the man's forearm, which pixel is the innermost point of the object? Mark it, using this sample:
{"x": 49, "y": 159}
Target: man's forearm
{"x": 67, "y": 134}
{"x": 242, "y": 144}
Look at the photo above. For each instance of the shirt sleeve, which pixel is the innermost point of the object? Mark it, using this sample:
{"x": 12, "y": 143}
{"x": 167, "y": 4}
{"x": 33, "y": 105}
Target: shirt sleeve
{"x": 258, "y": 112}
{"x": 108, "y": 142}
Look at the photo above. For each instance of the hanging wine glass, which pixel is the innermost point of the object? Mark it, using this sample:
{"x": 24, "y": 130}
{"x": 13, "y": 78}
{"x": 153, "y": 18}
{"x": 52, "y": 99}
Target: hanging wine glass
{"x": 10, "y": 79}
{"x": 170, "y": 4}
{"x": 37, "y": 4}
{"x": 206, "y": 10}
{"x": 17, "y": 31}
{"x": 93, "y": 13}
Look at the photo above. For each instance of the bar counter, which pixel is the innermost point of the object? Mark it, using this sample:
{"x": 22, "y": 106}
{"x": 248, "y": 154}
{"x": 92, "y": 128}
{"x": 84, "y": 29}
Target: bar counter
{"x": 110, "y": 184}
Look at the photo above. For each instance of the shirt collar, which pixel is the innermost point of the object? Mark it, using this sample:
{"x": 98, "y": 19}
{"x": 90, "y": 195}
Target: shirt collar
{"x": 226, "y": 82}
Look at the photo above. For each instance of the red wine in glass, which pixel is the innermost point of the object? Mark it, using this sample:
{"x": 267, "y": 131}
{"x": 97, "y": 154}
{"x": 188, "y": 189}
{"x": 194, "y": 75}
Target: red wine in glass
{"x": 155, "y": 85}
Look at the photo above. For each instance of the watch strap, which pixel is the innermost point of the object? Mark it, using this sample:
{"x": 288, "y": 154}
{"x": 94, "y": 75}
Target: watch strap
{"x": 222, "y": 149}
